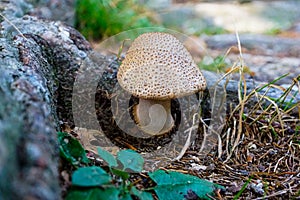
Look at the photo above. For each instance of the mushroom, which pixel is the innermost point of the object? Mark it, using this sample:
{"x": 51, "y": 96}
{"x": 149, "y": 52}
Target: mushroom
{"x": 156, "y": 69}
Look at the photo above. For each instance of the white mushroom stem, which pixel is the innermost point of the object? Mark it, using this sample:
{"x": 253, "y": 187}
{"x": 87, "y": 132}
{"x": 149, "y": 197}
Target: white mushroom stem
{"x": 154, "y": 116}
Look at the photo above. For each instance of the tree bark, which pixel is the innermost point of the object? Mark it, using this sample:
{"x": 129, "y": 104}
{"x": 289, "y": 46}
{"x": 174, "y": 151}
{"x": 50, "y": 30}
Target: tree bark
{"x": 39, "y": 59}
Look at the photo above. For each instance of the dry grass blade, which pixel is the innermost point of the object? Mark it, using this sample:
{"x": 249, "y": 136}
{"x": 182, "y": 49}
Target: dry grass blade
{"x": 261, "y": 139}
{"x": 242, "y": 98}
{"x": 188, "y": 140}
{"x": 229, "y": 141}
{"x": 277, "y": 113}
{"x": 14, "y": 26}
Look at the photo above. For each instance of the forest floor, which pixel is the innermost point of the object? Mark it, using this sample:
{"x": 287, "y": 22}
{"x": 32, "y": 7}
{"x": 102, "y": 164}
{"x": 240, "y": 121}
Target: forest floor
{"x": 258, "y": 153}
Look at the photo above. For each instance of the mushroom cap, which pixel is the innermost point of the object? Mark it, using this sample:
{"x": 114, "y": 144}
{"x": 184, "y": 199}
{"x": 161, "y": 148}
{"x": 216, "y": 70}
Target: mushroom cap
{"x": 158, "y": 66}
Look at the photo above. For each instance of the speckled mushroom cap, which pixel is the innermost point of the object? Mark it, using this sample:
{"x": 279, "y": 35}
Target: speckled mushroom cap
{"x": 158, "y": 66}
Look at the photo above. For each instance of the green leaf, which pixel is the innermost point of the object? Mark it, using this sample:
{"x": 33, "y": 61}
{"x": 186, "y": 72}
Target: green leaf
{"x": 141, "y": 194}
{"x": 175, "y": 185}
{"x": 107, "y": 157}
{"x": 71, "y": 149}
{"x": 124, "y": 175}
{"x": 90, "y": 176}
{"x": 93, "y": 194}
{"x": 126, "y": 196}
{"x": 131, "y": 160}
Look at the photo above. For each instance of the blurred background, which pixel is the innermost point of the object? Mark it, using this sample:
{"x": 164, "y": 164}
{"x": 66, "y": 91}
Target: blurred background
{"x": 98, "y": 19}
{"x": 269, "y": 30}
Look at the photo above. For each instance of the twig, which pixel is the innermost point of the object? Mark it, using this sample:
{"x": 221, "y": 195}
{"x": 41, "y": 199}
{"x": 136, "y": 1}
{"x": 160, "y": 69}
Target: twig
{"x": 188, "y": 140}
{"x": 242, "y": 99}
{"x": 277, "y": 163}
{"x": 272, "y": 195}
{"x": 233, "y": 133}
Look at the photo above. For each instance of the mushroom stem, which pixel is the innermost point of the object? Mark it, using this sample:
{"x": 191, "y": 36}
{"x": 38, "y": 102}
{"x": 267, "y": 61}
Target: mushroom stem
{"x": 153, "y": 116}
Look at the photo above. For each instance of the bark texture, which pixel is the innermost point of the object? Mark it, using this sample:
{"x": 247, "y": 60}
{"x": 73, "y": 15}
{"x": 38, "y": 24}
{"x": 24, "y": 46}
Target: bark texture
{"x": 37, "y": 68}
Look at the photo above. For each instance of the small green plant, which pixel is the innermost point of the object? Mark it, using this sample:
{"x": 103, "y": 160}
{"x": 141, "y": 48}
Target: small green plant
{"x": 274, "y": 31}
{"x": 211, "y": 30}
{"x": 93, "y": 182}
{"x": 114, "y": 185}
{"x": 237, "y": 196}
{"x": 217, "y": 64}
{"x": 97, "y": 19}
{"x": 71, "y": 150}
